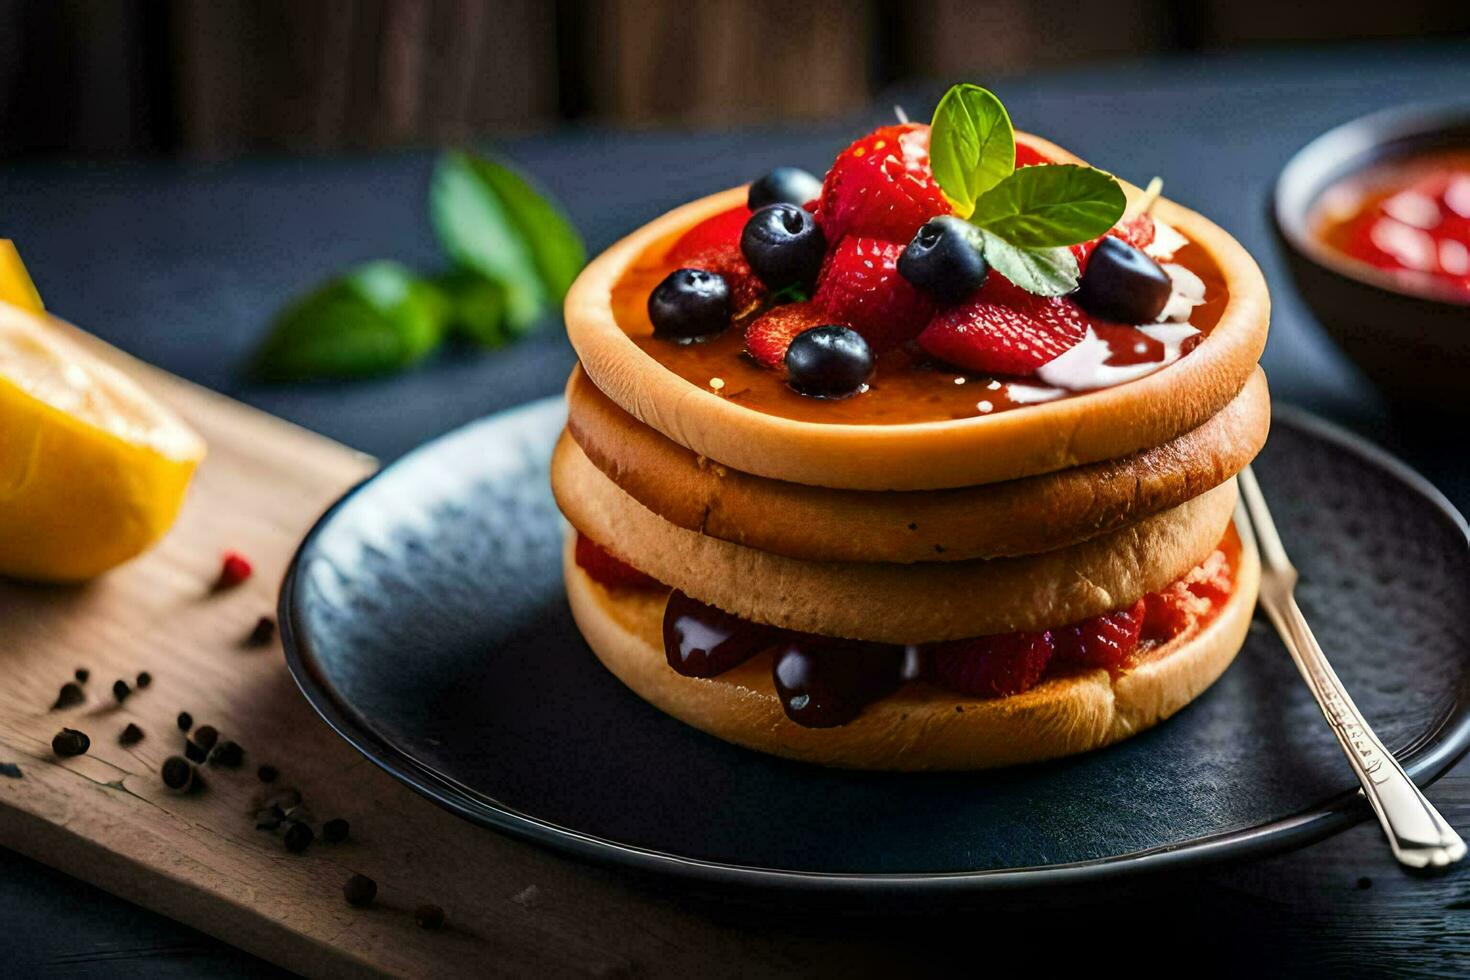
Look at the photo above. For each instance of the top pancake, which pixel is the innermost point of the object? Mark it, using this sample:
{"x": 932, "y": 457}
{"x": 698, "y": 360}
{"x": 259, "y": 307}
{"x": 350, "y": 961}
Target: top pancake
{"x": 1042, "y": 438}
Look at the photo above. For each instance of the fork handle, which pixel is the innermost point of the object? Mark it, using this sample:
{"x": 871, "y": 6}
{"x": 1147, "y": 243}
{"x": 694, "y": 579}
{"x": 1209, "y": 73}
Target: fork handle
{"x": 1419, "y": 836}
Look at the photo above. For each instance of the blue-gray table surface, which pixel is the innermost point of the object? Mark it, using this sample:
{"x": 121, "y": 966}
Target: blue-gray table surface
{"x": 183, "y": 264}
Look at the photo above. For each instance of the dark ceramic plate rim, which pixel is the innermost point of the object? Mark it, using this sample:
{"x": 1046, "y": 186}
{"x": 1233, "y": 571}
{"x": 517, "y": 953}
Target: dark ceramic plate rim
{"x": 1426, "y": 760}
{"x": 1346, "y": 149}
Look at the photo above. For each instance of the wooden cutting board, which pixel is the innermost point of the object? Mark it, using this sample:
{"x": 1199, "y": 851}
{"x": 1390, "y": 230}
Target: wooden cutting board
{"x": 106, "y": 817}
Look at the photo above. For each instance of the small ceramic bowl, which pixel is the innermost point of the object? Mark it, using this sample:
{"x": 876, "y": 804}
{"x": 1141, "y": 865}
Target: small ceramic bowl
{"x": 1413, "y": 342}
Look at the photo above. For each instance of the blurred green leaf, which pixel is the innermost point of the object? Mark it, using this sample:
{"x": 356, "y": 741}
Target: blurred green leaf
{"x": 376, "y": 319}
{"x": 492, "y": 220}
{"x": 476, "y": 308}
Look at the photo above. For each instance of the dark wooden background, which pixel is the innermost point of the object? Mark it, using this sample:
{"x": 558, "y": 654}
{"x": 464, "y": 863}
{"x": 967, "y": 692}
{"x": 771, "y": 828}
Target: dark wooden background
{"x": 217, "y": 78}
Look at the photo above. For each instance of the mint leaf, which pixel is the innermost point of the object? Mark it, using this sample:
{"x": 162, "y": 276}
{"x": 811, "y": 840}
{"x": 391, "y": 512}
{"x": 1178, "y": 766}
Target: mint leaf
{"x": 1042, "y": 271}
{"x": 492, "y": 220}
{"x": 972, "y": 146}
{"x": 377, "y": 318}
{"x": 1050, "y": 205}
{"x": 476, "y": 308}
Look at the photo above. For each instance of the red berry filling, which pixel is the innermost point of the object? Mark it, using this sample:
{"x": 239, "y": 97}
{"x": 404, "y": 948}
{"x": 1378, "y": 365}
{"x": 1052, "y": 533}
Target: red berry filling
{"x": 1106, "y": 641}
{"x": 605, "y": 568}
{"x": 990, "y": 666}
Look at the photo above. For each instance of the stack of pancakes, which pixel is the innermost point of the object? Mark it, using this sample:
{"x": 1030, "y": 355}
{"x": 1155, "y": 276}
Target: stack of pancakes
{"x": 910, "y": 534}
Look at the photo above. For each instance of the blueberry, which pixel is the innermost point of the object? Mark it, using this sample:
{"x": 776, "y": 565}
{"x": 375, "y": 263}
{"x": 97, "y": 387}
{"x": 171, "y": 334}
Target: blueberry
{"x": 689, "y": 304}
{"x": 784, "y": 246}
{"x": 1123, "y": 284}
{"x": 828, "y": 362}
{"x": 784, "y": 185}
{"x": 945, "y": 259}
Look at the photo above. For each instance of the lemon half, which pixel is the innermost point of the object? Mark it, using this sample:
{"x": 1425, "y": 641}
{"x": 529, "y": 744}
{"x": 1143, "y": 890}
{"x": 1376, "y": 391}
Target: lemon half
{"x": 92, "y": 470}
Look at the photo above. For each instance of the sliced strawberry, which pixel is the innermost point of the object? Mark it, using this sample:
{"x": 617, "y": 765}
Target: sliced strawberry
{"x": 1003, "y": 329}
{"x": 860, "y": 286}
{"x": 1106, "y": 641}
{"x": 603, "y": 566}
{"x": 712, "y": 234}
{"x": 768, "y": 335}
{"x": 1137, "y": 231}
{"x": 881, "y": 187}
{"x": 714, "y": 245}
{"x": 990, "y": 666}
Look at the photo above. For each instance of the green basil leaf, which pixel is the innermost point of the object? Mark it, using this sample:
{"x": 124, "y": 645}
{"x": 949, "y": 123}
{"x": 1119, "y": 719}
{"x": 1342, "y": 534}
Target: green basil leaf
{"x": 972, "y": 146}
{"x": 491, "y": 219}
{"x": 476, "y": 308}
{"x": 555, "y": 245}
{"x": 1050, "y": 205}
{"x": 376, "y": 319}
{"x": 1042, "y": 271}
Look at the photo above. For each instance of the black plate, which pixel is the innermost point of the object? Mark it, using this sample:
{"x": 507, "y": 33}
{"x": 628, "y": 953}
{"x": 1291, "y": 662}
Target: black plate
{"x": 424, "y": 618}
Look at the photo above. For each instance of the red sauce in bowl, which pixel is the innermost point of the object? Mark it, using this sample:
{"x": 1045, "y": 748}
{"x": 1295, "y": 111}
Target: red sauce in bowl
{"x": 1409, "y": 218}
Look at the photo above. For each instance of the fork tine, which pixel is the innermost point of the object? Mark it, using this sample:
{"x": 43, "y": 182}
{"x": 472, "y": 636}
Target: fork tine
{"x": 1273, "y": 554}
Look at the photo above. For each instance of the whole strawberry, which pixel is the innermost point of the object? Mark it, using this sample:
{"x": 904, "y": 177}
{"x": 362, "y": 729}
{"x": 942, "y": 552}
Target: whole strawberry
{"x": 860, "y": 286}
{"x": 881, "y": 187}
{"x": 990, "y": 666}
{"x": 1003, "y": 329}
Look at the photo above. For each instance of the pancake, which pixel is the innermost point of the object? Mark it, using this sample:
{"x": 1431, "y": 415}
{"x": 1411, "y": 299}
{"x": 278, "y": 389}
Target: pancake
{"x": 894, "y": 603}
{"x": 919, "y": 726}
{"x": 1042, "y": 438}
{"x": 1016, "y": 517}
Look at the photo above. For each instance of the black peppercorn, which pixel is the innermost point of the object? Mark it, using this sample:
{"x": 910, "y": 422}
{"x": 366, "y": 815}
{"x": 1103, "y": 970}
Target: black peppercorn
{"x": 205, "y": 737}
{"x": 263, "y": 632}
{"x": 194, "y": 753}
{"x": 268, "y": 773}
{"x": 334, "y": 831}
{"x": 429, "y": 917}
{"x": 360, "y": 891}
{"x": 82, "y": 674}
{"x": 186, "y": 721}
{"x": 131, "y": 735}
{"x": 298, "y": 837}
{"x": 144, "y": 679}
{"x": 177, "y": 773}
{"x": 69, "y": 742}
{"x": 69, "y": 695}
{"x": 10, "y": 770}
{"x": 120, "y": 690}
{"x": 228, "y": 754}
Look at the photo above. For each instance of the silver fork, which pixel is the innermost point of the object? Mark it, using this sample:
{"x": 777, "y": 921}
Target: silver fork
{"x": 1419, "y": 836}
